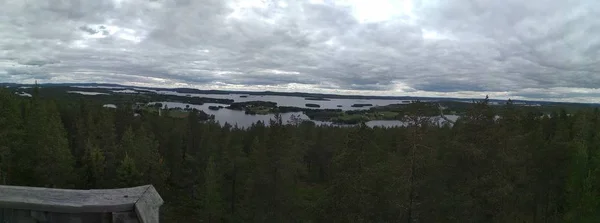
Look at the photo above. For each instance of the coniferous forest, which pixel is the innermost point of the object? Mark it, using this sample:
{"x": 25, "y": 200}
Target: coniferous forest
{"x": 493, "y": 165}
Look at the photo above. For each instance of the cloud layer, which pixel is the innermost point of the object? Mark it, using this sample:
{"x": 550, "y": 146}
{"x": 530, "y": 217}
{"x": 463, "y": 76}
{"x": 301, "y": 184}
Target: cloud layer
{"x": 536, "y": 49}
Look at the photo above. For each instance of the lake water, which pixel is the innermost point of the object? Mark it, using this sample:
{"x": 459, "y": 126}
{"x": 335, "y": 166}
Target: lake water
{"x": 241, "y": 119}
{"x": 293, "y": 101}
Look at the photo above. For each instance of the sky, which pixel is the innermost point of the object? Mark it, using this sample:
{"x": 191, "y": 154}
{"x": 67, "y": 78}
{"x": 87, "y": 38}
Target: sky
{"x": 519, "y": 49}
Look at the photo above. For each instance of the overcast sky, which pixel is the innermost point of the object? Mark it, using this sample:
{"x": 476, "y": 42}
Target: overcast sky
{"x": 522, "y": 49}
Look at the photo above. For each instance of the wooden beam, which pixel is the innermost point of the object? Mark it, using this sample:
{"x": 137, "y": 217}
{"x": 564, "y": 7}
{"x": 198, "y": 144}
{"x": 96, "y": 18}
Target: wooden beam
{"x": 74, "y": 201}
{"x": 147, "y": 207}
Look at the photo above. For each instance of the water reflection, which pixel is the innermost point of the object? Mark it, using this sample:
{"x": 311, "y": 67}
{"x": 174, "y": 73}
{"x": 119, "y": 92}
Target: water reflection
{"x": 241, "y": 119}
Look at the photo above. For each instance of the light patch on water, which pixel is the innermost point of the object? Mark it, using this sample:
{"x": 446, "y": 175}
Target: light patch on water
{"x": 23, "y": 94}
{"x": 85, "y": 92}
{"x": 126, "y": 91}
{"x": 101, "y": 87}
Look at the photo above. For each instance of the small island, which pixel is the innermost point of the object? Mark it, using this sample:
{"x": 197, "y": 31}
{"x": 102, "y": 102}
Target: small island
{"x": 312, "y": 105}
{"x": 254, "y": 107}
{"x": 316, "y": 99}
{"x": 361, "y": 105}
{"x": 174, "y": 112}
{"x": 388, "y": 112}
{"x": 214, "y": 107}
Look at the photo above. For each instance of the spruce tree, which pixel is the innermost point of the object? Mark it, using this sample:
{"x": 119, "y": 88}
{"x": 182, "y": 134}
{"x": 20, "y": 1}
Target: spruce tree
{"x": 94, "y": 166}
{"x": 213, "y": 203}
{"x": 49, "y": 161}
{"x": 10, "y": 132}
{"x": 127, "y": 173}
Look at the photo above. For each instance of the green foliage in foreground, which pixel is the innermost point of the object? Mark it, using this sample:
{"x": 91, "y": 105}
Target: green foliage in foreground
{"x": 521, "y": 167}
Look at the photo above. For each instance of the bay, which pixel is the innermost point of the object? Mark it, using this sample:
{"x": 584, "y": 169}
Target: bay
{"x": 300, "y": 102}
{"x": 241, "y": 119}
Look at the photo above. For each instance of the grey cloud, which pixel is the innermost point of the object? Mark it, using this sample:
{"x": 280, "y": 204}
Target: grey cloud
{"x": 37, "y": 62}
{"x": 440, "y": 47}
{"x": 450, "y": 86}
{"x": 88, "y": 29}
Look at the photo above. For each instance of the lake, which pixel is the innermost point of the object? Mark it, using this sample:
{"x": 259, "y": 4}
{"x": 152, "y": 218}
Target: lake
{"x": 241, "y": 119}
{"x": 300, "y": 102}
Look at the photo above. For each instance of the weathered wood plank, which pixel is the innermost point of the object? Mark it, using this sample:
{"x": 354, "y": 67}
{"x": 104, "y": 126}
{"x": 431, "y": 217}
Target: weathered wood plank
{"x": 124, "y": 217}
{"x": 27, "y": 216}
{"x": 71, "y": 201}
{"x": 147, "y": 207}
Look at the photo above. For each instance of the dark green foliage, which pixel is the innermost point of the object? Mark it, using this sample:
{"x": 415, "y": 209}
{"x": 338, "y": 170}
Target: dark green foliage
{"x": 128, "y": 174}
{"x": 94, "y": 164}
{"x": 242, "y": 105}
{"x": 213, "y": 205}
{"x": 11, "y": 130}
{"x": 496, "y": 164}
{"x": 361, "y": 105}
{"x": 45, "y": 158}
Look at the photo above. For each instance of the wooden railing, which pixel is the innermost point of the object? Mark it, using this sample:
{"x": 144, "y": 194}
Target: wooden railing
{"x": 125, "y": 205}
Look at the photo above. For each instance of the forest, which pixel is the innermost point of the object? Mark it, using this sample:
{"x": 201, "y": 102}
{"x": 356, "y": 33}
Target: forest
{"x": 502, "y": 164}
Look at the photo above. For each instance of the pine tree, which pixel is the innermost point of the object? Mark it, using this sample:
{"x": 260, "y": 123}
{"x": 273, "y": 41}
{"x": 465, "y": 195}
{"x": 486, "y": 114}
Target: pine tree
{"x": 94, "y": 166}
{"x": 416, "y": 164}
{"x": 355, "y": 174}
{"x": 174, "y": 156}
{"x": 580, "y": 187}
{"x": 128, "y": 174}
{"x": 258, "y": 191}
{"x": 106, "y": 143}
{"x": 49, "y": 161}
{"x": 128, "y": 144}
{"x": 143, "y": 150}
{"x": 84, "y": 125}
{"x": 10, "y": 132}
{"x": 474, "y": 161}
{"x": 123, "y": 119}
{"x": 234, "y": 166}
{"x": 213, "y": 202}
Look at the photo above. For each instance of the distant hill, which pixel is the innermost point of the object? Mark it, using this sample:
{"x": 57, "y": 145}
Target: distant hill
{"x": 301, "y": 94}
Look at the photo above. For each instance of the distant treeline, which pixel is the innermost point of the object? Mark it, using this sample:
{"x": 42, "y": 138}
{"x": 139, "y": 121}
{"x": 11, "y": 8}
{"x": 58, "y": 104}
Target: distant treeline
{"x": 520, "y": 167}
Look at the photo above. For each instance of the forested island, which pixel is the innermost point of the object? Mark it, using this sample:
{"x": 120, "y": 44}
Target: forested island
{"x": 361, "y": 105}
{"x": 316, "y": 99}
